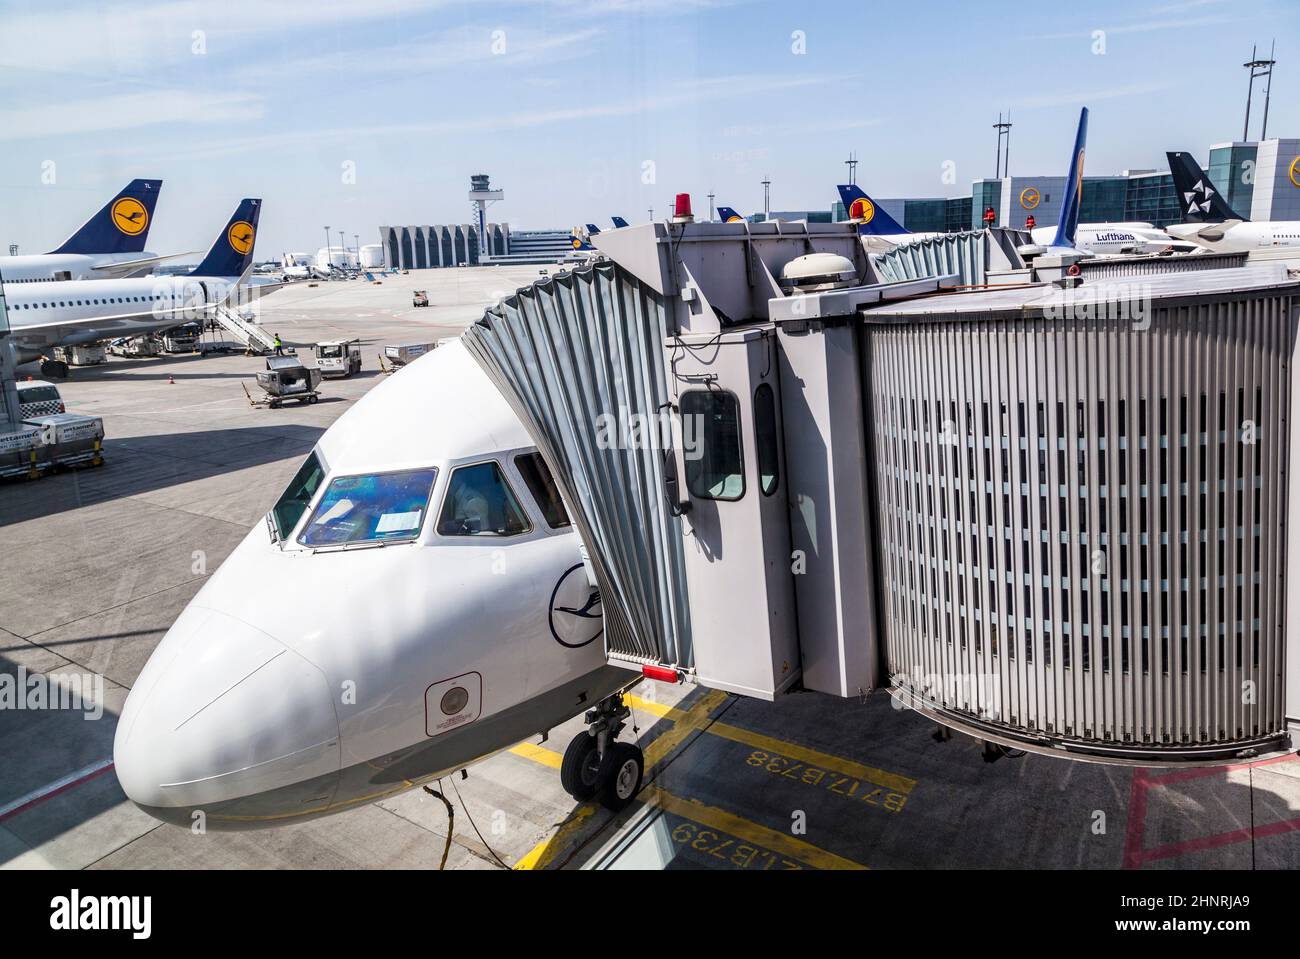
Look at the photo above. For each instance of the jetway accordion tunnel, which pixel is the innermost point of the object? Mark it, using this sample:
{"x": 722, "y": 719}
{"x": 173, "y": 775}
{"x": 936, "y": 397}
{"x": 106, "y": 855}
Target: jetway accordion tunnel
{"x": 1087, "y": 525}
{"x": 1067, "y": 531}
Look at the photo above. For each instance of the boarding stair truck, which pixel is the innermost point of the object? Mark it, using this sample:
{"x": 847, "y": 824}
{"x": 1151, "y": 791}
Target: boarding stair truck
{"x": 243, "y": 327}
{"x": 286, "y": 379}
{"x": 931, "y": 487}
{"x": 338, "y": 358}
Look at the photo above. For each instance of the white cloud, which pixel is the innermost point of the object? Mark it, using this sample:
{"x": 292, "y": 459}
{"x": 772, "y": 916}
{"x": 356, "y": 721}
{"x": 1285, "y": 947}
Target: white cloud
{"x": 127, "y": 111}
{"x": 1085, "y": 97}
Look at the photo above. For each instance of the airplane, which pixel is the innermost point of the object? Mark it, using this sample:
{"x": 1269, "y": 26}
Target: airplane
{"x": 618, "y": 222}
{"x": 279, "y": 696}
{"x": 727, "y": 215}
{"x": 879, "y": 231}
{"x": 44, "y": 315}
{"x": 108, "y": 245}
{"x": 1209, "y": 222}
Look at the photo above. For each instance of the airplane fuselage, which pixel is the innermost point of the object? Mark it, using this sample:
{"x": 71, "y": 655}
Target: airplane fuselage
{"x": 45, "y": 267}
{"x": 1242, "y": 236}
{"x": 42, "y": 315}
{"x": 309, "y": 676}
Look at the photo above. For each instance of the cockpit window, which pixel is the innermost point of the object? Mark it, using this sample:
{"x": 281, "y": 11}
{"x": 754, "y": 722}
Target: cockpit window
{"x": 379, "y": 508}
{"x": 479, "y": 502}
{"x": 293, "y": 502}
{"x": 540, "y": 483}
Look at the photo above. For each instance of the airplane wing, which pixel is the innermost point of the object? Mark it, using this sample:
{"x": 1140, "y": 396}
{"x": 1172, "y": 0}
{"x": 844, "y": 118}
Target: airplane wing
{"x": 127, "y": 268}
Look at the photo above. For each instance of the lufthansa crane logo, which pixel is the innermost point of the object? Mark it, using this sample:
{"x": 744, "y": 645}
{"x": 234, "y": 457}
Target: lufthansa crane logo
{"x": 577, "y": 243}
{"x": 862, "y": 209}
{"x": 1293, "y": 174}
{"x": 735, "y": 218}
{"x": 576, "y": 616}
{"x": 1030, "y": 197}
{"x": 240, "y": 237}
{"x": 130, "y": 216}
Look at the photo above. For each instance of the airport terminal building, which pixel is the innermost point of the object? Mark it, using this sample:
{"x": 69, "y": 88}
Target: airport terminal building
{"x": 429, "y": 247}
{"x": 1259, "y": 179}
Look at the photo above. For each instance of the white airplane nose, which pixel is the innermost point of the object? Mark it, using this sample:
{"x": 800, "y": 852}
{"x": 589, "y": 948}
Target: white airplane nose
{"x": 221, "y": 713}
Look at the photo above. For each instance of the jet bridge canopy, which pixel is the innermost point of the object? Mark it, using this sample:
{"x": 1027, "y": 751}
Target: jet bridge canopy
{"x": 1051, "y": 514}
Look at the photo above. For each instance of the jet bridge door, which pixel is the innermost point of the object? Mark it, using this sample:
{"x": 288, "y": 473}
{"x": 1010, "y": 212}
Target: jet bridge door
{"x": 730, "y": 467}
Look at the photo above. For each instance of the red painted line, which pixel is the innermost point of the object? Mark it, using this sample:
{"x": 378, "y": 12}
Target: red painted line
{"x": 49, "y": 792}
{"x": 1186, "y": 774}
{"x": 1137, "y": 817}
{"x": 1222, "y": 839}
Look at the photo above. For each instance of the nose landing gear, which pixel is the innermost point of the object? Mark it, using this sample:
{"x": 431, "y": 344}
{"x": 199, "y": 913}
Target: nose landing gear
{"x": 597, "y": 767}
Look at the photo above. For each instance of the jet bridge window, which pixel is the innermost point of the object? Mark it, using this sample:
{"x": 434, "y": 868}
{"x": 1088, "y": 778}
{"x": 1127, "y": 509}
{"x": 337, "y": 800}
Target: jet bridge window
{"x": 769, "y": 473}
{"x": 538, "y": 479}
{"x": 479, "y": 502}
{"x": 374, "y": 508}
{"x": 715, "y": 467}
{"x": 293, "y": 502}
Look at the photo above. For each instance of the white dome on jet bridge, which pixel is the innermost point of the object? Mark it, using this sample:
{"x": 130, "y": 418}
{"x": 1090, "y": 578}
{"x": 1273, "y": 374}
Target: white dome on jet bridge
{"x": 818, "y": 271}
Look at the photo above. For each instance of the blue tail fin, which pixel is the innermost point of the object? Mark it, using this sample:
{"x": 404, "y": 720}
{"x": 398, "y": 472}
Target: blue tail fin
{"x": 618, "y": 222}
{"x": 727, "y": 215}
{"x": 592, "y": 229}
{"x": 579, "y": 242}
{"x": 232, "y": 254}
{"x": 875, "y": 221}
{"x": 122, "y": 226}
{"x": 1068, "y": 225}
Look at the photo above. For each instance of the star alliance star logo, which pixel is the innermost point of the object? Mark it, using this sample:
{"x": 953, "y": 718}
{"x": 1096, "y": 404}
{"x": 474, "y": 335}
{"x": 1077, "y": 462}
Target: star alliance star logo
{"x": 1190, "y": 198}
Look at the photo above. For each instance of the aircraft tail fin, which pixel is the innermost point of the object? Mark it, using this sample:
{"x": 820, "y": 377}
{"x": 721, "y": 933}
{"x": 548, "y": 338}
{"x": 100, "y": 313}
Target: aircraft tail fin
{"x": 618, "y": 222}
{"x": 1068, "y": 225}
{"x": 1201, "y": 202}
{"x": 122, "y": 226}
{"x": 592, "y": 229}
{"x": 727, "y": 215}
{"x": 875, "y": 221}
{"x": 232, "y": 254}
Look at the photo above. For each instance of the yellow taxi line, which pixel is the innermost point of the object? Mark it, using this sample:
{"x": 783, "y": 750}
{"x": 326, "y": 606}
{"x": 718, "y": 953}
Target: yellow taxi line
{"x": 544, "y": 853}
{"x": 724, "y": 821}
{"x": 812, "y": 757}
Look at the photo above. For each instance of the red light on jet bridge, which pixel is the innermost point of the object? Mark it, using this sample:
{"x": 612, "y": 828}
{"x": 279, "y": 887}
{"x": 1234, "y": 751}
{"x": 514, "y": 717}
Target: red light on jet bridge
{"x": 665, "y": 674}
{"x": 682, "y": 208}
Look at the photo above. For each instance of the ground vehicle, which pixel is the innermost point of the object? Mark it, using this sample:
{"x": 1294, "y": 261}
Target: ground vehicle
{"x": 399, "y": 354}
{"x": 88, "y": 354}
{"x": 181, "y": 339}
{"x": 420, "y": 298}
{"x": 39, "y": 398}
{"x": 338, "y": 357}
{"x": 285, "y": 378}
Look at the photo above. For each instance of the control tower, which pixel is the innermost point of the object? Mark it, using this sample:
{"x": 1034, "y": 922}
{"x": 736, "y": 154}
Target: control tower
{"x": 480, "y": 195}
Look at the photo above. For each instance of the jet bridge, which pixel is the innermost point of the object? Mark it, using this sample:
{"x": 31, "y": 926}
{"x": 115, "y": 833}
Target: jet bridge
{"x": 1052, "y": 514}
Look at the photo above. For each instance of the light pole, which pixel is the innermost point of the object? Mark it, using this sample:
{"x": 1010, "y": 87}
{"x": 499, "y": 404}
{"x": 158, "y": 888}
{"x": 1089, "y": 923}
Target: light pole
{"x": 852, "y": 164}
{"x": 651, "y": 211}
{"x": 356, "y": 239}
{"x": 767, "y": 205}
{"x": 711, "y": 196}
{"x": 343, "y": 248}
{"x": 328, "y": 257}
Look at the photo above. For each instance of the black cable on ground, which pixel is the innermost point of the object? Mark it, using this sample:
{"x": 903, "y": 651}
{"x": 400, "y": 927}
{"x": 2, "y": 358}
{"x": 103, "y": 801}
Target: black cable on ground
{"x": 451, "y": 821}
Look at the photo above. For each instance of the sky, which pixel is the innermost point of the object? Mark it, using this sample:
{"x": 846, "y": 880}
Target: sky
{"x": 361, "y": 114}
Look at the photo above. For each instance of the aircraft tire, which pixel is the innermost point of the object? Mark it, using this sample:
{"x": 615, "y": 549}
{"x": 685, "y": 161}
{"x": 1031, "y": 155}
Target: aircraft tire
{"x": 580, "y": 770}
{"x": 56, "y": 369}
{"x": 623, "y": 779}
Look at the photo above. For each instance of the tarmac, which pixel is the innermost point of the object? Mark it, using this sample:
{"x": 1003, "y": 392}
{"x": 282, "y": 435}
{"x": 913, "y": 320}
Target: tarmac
{"x": 100, "y": 561}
